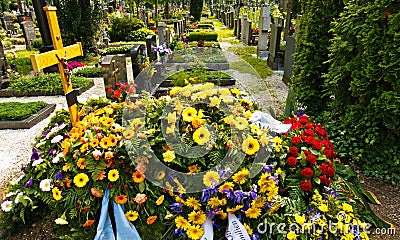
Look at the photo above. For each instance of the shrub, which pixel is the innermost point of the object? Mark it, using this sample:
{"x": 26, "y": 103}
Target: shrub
{"x": 121, "y": 27}
{"x": 16, "y": 111}
{"x": 37, "y": 43}
{"x": 196, "y": 7}
{"x": 89, "y": 72}
{"x": 118, "y": 50}
{"x": 22, "y": 60}
{"x": 203, "y": 35}
{"x": 139, "y": 35}
{"x": 45, "y": 82}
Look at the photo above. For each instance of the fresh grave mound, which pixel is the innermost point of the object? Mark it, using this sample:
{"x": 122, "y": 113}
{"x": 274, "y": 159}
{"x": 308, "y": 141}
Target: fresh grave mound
{"x": 197, "y": 162}
{"x": 16, "y": 111}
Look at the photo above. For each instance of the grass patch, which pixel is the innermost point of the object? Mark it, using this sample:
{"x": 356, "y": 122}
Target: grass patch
{"x": 89, "y": 72}
{"x": 45, "y": 82}
{"x": 16, "y": 111}
{"x": 243, "y": 68}
{"x": 22, "y": 60}
{"x": 258, "y": 64}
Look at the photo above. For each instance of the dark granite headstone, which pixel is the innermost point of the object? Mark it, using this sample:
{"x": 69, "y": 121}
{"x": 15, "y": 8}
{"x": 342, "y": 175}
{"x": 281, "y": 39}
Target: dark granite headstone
{"x": 29, "y": 33}
{"x": 289, "y": 58}
{"x": 138, "y": 57}
{"x": 151, "y": 44}
{"x": 8, "y": 24}
{"x": 114, "y": 69}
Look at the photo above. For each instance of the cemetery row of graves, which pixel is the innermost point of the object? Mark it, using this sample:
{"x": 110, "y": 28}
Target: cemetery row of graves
{"x": 176, "y": 150}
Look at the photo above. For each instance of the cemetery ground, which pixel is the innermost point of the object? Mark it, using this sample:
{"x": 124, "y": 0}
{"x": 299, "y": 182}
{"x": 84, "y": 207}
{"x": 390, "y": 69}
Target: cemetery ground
{"x": 16, "y": 147}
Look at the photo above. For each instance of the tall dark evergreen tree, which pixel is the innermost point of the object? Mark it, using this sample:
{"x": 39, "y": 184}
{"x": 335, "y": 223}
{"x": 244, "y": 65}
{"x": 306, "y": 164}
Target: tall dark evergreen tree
{"x": 195, "y": 9}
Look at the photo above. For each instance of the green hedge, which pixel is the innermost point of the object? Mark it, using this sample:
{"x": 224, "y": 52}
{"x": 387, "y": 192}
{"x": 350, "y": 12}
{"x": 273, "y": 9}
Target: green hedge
{"x": 140, "y": 34}
{"x": 45, "y": 82}
{"x": 119, "y": 49}
{"x": 203, "y": 35}
{"x": 16, "y": 111}
{"x": 364, "y": 80}
{"x": 121, "y": 27}
{"x": 89, "y": 72}
{"x": 22, "y": 60}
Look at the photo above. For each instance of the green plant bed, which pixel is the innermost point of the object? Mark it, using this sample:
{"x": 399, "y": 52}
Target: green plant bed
{"x": 22, "y": 60}
{"x": 89, "y": 72}
{"x": 119, "y": 49}
{"x": 16, "y": 115}
{"x": 198, "y": 75}
{"x": 44, "y": 84}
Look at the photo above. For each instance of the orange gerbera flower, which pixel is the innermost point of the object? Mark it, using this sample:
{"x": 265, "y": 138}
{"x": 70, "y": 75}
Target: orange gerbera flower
{"x": 121, "y": 199}
{"x": 81, "y": 163}
{"x": 151, "y": 220}
{"x": 68, "y": 182}
{"x": 101, "y": 175}
{"x": 138, "y": 177}
{"x": 88, "y": 223}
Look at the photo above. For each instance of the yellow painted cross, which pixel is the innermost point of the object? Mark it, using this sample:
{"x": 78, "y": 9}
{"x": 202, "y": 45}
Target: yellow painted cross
{"x": 59, "y": 55}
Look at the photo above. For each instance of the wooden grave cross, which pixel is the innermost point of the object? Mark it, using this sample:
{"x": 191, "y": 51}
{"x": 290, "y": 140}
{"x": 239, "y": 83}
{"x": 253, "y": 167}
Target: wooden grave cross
{"x": 59, "y": 55}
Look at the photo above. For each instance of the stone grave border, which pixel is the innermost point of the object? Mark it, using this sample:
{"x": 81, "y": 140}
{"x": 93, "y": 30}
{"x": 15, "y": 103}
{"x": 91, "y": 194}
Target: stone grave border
{"x": 31, "y": 121}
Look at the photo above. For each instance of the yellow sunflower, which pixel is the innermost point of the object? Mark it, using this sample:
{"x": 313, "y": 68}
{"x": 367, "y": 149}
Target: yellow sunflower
{"x": 253, "y": 212}
{"x": 195, "y": 232}
{"x": 211, "y": 178}
{"x": 94, "y": 143}
{"x": 241, "y": 123}
{"x": 227, "y": 186}
{"x": 234, "y": 209}
{"x": 56, "y": 193}
{"x": 112, "y": 140}
{"x": 181, "y": 222}
{"x": 189, "y": 114}
{"x": 128, "y": 134}
{"x": 104, "y": 143}
{"x": 248, "y": 229}
{"x": 197, "y": 217}
{"x": 193, "y": 203}
{"x": 250, "y": 146}
{"x": 81, "y": 179}
{"x": 214, "y": 202}
{"x": 81, "y": 163}
{"x": 169, "y": 156}
{"x": 241, "y": 176}
{"x": 113, "y": 175}
{"x": 84, "y": 148}
{"x": 201, "y": 136}
{"x": 132, "y": 215}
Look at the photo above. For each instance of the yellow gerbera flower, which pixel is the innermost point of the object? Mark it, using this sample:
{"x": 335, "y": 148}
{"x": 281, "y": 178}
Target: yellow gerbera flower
{"x": 248, "y": 229}
{"x": 211, "y": 178}
{"x": 201, "y": 136}
{"x": 195, "y": 232}
{"x": 234, "y": 209}
{"x": 132, "y": 215}
{"x": 214, "y": 102}
{"x": 112, "y": 140}
{"x": 189, "y": 114}
{"x": 94, "y": 143}
{"x": 277, "y": 144}
{"x": 104, "y": 143}
{"x": 253, "y": 212}
{"x": 214, "y": 202}
{"x": 241, "y": 123}
{"x": 81, "y": 179}
{"x": 197, "y": 217}
{"x": 291, "y": 236}
{"x": 113, "y": 175}
{"x": 241, "y": 176}
{"x": 193, "y": 203}
{"x": 227, "y": 186}
{"x": 181, "y": 222}
{"x": 84, "y": 148}
{"x": 169, "y": 156}
{"x": 250, "y": 146}
{"x": 56, "y": 193}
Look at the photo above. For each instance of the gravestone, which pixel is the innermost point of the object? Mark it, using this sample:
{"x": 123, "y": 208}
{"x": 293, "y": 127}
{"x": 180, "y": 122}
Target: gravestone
{"x": 289, "y": 58}
{"x": 114, "y": 70}
{"x": 245, "y": 29}
{"x": 29, "y": 33}
{"x": 3, "y": 63}
{"x": 231, "y": 20}
{"x": 264, "y": 26}
{"x": 161, "y": 35}
{"x": 138, "y": 57}
{"x": 274, "y": 60}
{"x": 8, "y": 24}
{"x": 176, "y": 29}
{"x": 239, "y": 28}
{"x": 235, "y": 23}
{"x": 151, "y": 44}
{"x": 168, "y": 35}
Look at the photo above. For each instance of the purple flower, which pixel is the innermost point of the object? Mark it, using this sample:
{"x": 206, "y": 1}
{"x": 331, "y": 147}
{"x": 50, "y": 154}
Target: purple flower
{"x": 222, "y": 173}
{"x": 52, "y": 152}
{"x": 45, "y": 133}
{"x": 205, "y": 196}
{"x": 59, "y": 176}
{"x": 29, "y": 183}
{"x": 268, "y": 168}
{"x": 255, "y": 236}
{"x": 179, "y": 232}
{"x": 35, "y": 155}
{"x": 239, "y": 196}
{"x": 176, "y": 207}
{"x": 23, "y": 169}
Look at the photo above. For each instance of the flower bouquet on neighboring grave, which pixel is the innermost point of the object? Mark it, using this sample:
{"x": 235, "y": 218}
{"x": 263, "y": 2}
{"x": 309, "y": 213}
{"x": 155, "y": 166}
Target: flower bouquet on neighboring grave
{"x": 192, "y": 165}
{"x": 121, "y": 91}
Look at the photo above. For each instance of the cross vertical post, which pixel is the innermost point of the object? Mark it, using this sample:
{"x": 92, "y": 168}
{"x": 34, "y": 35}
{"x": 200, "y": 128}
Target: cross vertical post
{"x": 59, "y": 55}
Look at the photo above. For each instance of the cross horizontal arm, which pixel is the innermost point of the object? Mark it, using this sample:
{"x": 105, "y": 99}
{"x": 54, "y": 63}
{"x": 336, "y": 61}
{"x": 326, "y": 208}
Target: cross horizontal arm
{"x": 47, "y": 59}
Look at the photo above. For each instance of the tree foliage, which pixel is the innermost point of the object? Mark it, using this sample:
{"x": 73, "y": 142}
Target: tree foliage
{"x": 195, "y": 9}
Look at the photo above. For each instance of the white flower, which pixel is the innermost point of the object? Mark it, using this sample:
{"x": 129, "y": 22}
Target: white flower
{"x": 57, "y": 139}
{"x": 6, "y": 206}
{"x": 45, "y": 185}
{"x": 61, "y": 221}
{"x": 57, "y": 158}
{"x": 37, "y": 162}
{"x": 10, "y": 194}
{"x": 17, "y": 198}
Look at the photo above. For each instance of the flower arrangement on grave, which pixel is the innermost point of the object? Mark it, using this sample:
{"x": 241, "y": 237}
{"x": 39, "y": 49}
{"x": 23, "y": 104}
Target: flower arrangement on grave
{"x": 121, "y": 91}
{"x": 72, "y": 65}
{"x": 162, "y": 50}
{"x": 183, "y": 163}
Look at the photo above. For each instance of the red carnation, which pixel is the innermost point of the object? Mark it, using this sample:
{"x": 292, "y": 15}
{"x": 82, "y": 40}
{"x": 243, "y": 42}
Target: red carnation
{"x": 309, "y": 125}
{"x": 312, "y": 159}
{"x": 292, "y": 161}
{"x": 324, "y": 167}
{"x": 296, "y": 126}
{"x": 307, "y": 172}
{"x": 317, "y": 145}
{"x": 309, "y": 140}
{"x": 110, "y": 90}
{"x": 117, "y": 94}
{"x": 329, "y": 153}
{"x": 309, "y": 132}
{"x": 324, "y": 180}
{"x": 296, "y": 140}
{"x": 303, "y": 119}
{"x": 327, "y": 143}
{"x": 129, "y": 90}
{"x": 306, "y": 186}
{"x": 320, "y": 131}
{"x": 293, "y": 151}
{"x": 330, "y": 172}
